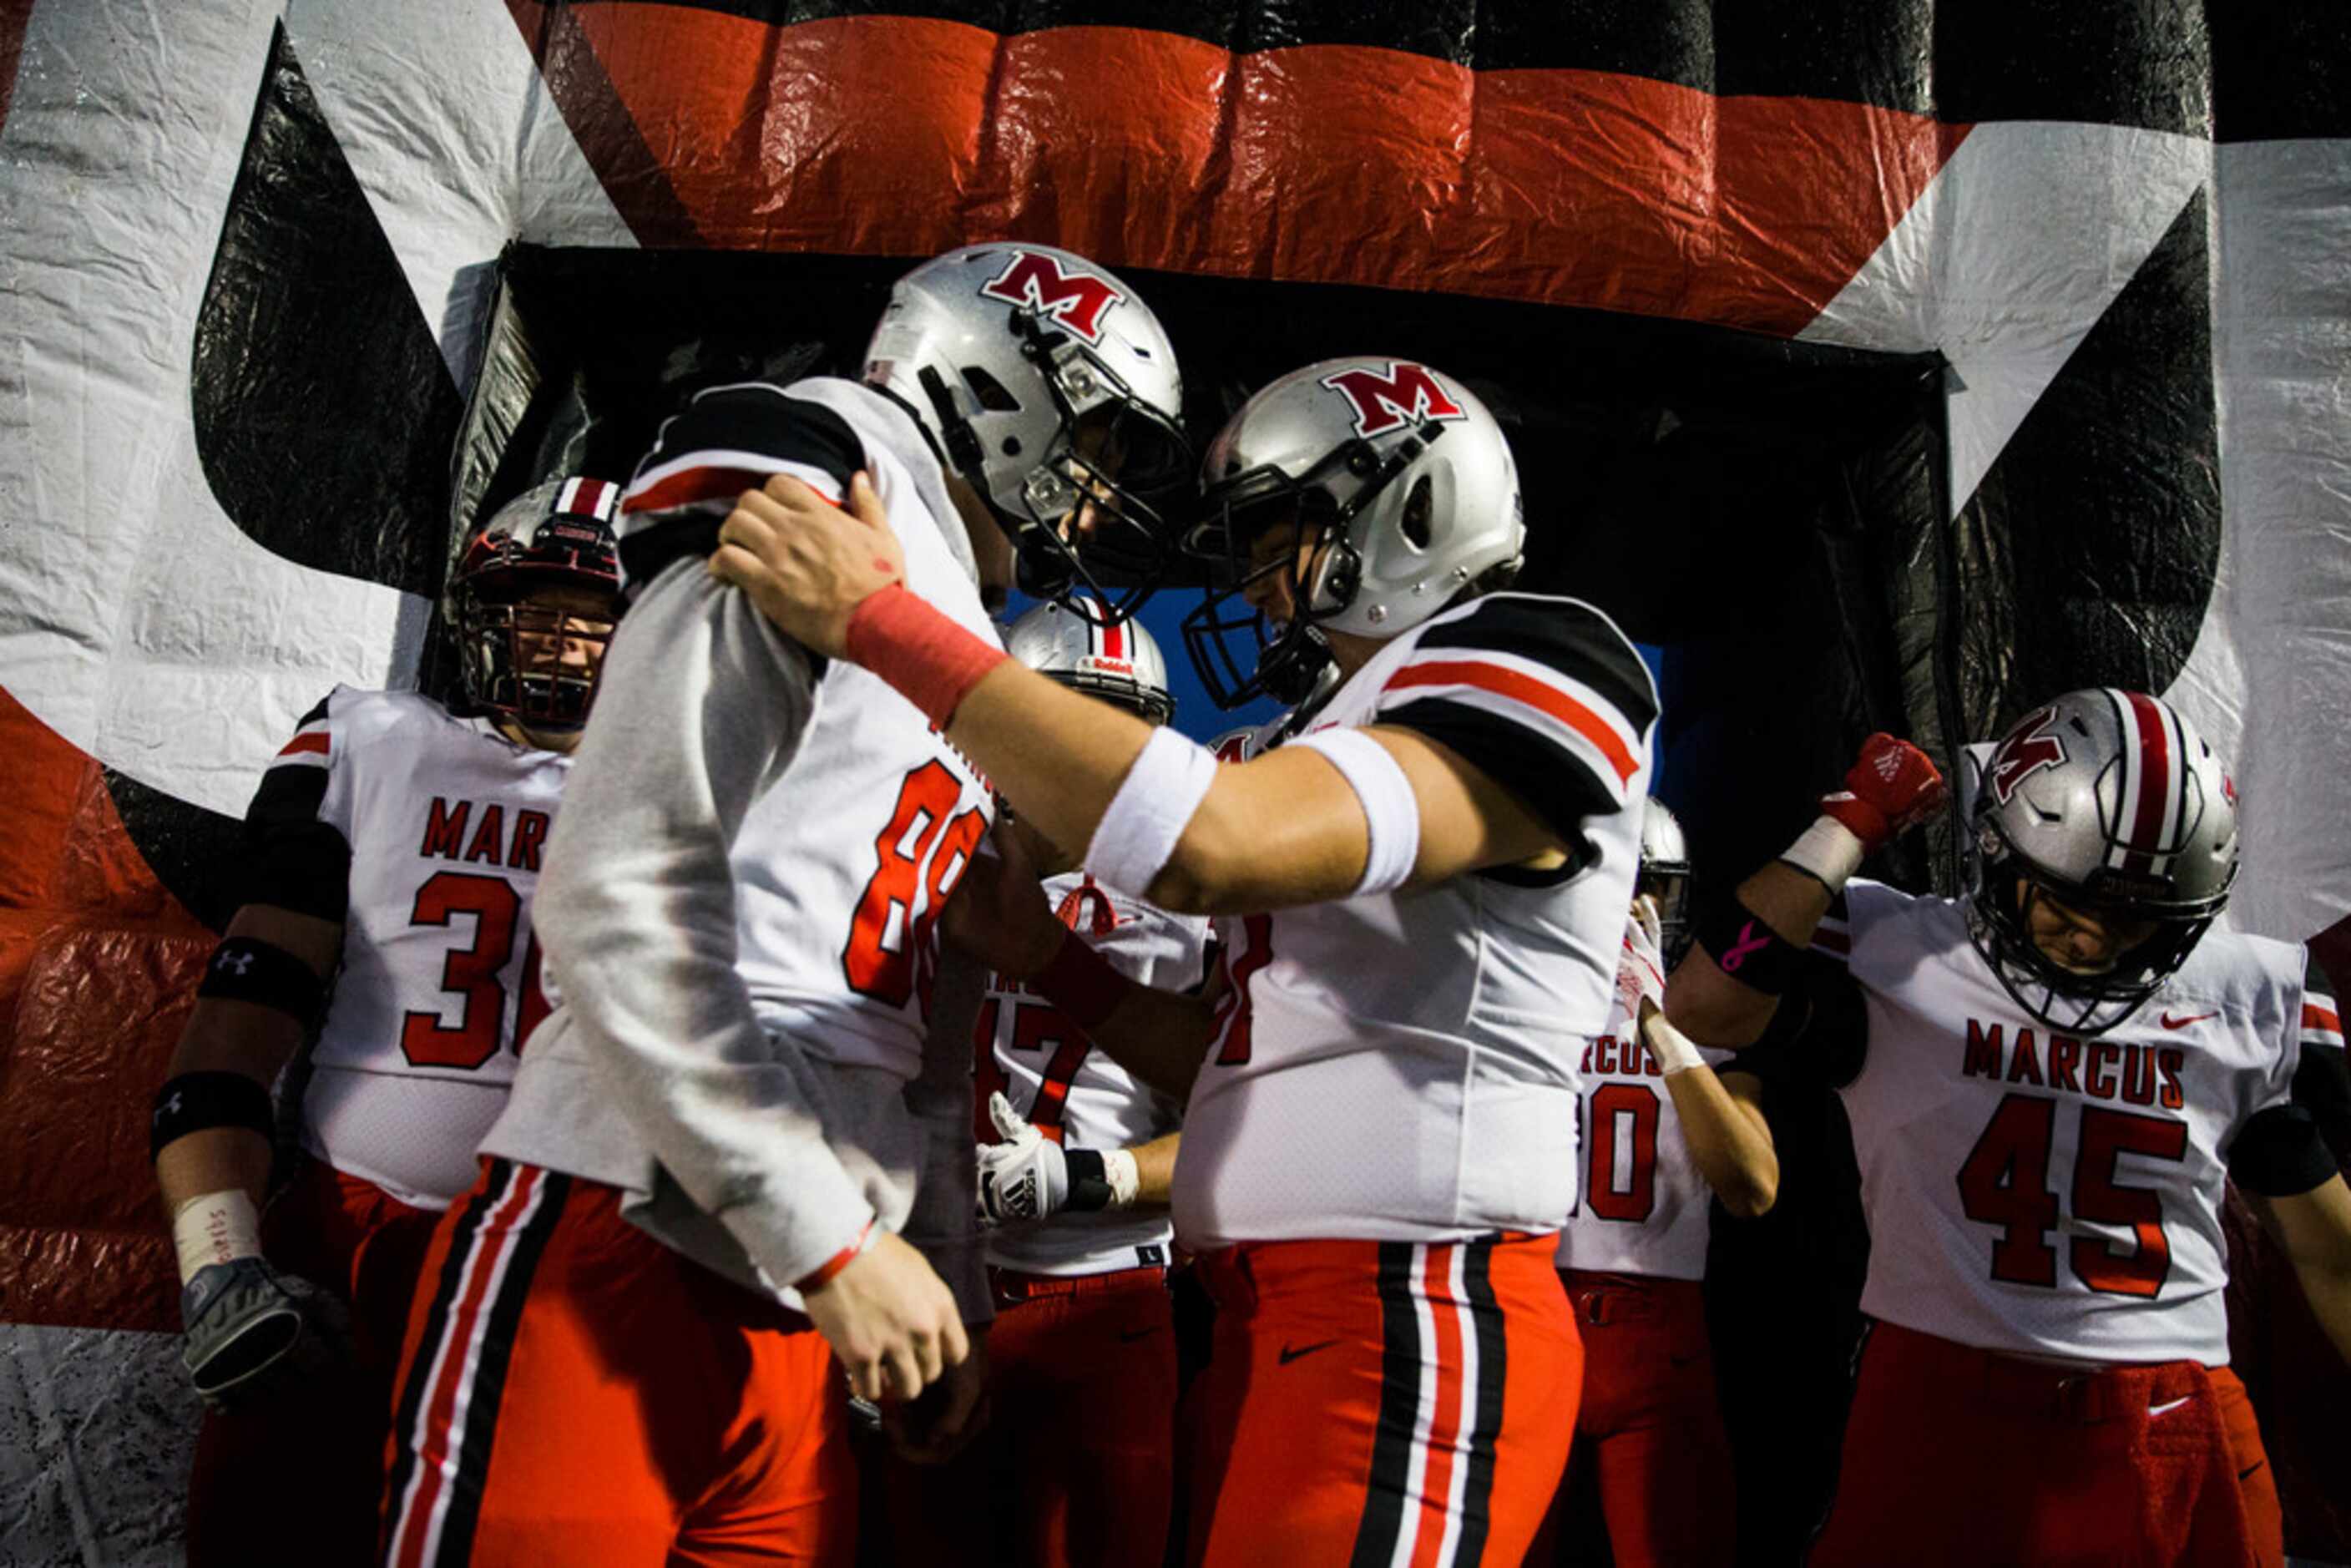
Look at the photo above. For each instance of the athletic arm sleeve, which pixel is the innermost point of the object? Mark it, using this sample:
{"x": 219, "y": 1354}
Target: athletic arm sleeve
{"x": 701, "y": 706}
{"x": 297, "y": 857}
{"x": 2286, "y": 1150}
{"x": 1542, "y": 696}
{"x": 1819, "y": 1035}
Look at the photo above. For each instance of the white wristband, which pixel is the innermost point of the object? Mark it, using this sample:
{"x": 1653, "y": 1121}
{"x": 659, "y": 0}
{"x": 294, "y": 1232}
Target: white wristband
{"x": 1391, "y": 810}
{"x": 1674, "y": 1050}
{"x": 218, "y": 1228}
{"x": 1124, "y": 1177}
{"x": 1168, "y": 781}
{"x": 1827, "y": 850}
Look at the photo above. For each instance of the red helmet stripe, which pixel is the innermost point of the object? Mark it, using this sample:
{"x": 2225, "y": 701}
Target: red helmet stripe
{"x": 1113, "y": 641}
{"x": 2156, "y": 782}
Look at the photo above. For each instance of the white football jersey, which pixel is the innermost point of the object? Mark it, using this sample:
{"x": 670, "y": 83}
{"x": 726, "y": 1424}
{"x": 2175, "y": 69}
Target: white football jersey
{"x": 843, "y": 865}
{"x": 1403, "y": 1067}
{"x": 1074, "y": 1093}
{"x": 446, "y": 820}
{"x": 2034, "y": 1193}
{"x": 1640, "y": 1205}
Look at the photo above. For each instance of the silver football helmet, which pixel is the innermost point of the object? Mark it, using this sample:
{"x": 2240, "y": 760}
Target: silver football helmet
{"x": 1049, "y": 386}
{"x": 1413, "y": 488}
{"x": 2108, "y": 803}
{"x": 1119, "y": 664}
{"x": 1665, "y": 875}
{"x": 501, "y": 605}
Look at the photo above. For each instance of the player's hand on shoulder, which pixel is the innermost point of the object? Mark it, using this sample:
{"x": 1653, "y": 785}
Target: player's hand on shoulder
{"x": 998, "y": 914}
{"x": 251, "y": 1332}
{"x": 1891, "y": 788}
{"x": 891, "y": 1320}
{"x": 807, "y": 563}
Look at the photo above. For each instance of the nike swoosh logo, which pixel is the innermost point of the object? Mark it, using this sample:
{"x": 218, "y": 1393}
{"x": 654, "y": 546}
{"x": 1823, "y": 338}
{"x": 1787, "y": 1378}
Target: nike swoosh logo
{"x": 2170, "y": 1022}
{"x": 2165, "y": 1409}
{"x": 1288, "y": 1356}
{"x": 1125, "y": 1338}
{"x": 2249, "y": 1469}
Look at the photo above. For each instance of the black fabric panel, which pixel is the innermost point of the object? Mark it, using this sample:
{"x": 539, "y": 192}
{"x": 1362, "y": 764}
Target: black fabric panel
{"x": 765, "y": 420}
{"x": 2146, "y": 63}
{"x": 2279, "y": 1153}
{"x": 312, "y": 364}
{"x": 2322, "y": 1086}
{"x": 1820, "y": 1035}
{"x": 1569, "y": 638}
{"x": 2087, "y": 557}
{"x": 292, "y": 860}
{"x": 199, "y": 856}
{"x": 1548, "y": 780}
{"x": 1491, "y": 1325}
{"x": 649, "y": 552}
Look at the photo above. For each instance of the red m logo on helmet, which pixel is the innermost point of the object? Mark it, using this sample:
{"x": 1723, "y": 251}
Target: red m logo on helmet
{"x": 2034, "y": 747}
{"x": 1078, "y": 300}
{"x": 1407, "y": 394}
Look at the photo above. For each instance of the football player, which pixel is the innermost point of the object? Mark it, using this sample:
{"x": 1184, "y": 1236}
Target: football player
{"x": 737, "y": 1149}
{"x": 395, "y": 846}
{"x": 2050, "y": 1082}
{"x": 1425, "y": 898}
{"x": 1661, "y": 1130}
{"x": 1074, "y": 1163}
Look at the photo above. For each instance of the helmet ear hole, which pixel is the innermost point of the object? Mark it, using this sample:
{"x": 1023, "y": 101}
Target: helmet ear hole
{"x": 1418, "y": 508}
{"x": 989, "y": 392}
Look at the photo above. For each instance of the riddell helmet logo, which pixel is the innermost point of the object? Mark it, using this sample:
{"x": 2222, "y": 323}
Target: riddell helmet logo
{"x": 1406, "y": 393}
{"x": 1078, "y": 300}
{"x": 2033, "y": 748}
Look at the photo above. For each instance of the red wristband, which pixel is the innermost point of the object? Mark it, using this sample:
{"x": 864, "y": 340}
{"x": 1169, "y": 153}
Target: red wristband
{"x": 823, "y": 1275}
{"x": 1080, "y": 982}
{"x": 907, "y": 641}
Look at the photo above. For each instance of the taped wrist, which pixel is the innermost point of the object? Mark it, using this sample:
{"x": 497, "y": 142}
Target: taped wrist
{"x": 243, "y": 969}
{"x": 931, "y": 661}
{"x": 194, "y": 1101}
{"x": 1674, "y": 1052}
{"x": 1168, "y": 780}
{"x": 1743, "y": 948}
{"x": 1829, "y": 852}
{"x": 218, "y": 1228}
{"x": 1391, "y": 810}
{"x": 1082, "y": 983}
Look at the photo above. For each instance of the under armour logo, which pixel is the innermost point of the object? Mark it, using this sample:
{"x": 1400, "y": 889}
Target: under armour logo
{"x": 238, "y": 962}
{"x": 1732, "y": 960}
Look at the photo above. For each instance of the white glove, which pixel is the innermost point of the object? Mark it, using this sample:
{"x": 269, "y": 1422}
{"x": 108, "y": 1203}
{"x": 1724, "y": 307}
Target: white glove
{"x": 1028, "y": 1177}
{"x": 1641, "y": 967}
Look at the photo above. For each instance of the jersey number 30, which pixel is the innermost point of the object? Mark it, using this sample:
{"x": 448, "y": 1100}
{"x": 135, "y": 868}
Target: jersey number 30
{"x": 2005, "y": 1182}
{"x": 472, "y": 971}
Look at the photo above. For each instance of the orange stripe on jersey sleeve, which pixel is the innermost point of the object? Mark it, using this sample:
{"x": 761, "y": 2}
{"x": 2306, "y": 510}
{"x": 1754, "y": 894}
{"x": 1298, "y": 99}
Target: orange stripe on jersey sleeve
{"x": 313, "y": 742}
{"x": 1534, "y": 694}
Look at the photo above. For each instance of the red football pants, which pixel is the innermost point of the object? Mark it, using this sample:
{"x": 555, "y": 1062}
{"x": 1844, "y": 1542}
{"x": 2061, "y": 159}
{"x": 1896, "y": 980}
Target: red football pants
{"x": 1965, "y": 1456}
{"x": 1652, "y": 1422}
{"x": 1074, "y": 1467}
{"x": 574, "y": 1392}
{"x": 296, "y": 1480}
{"x": 1382, "y": 1401}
